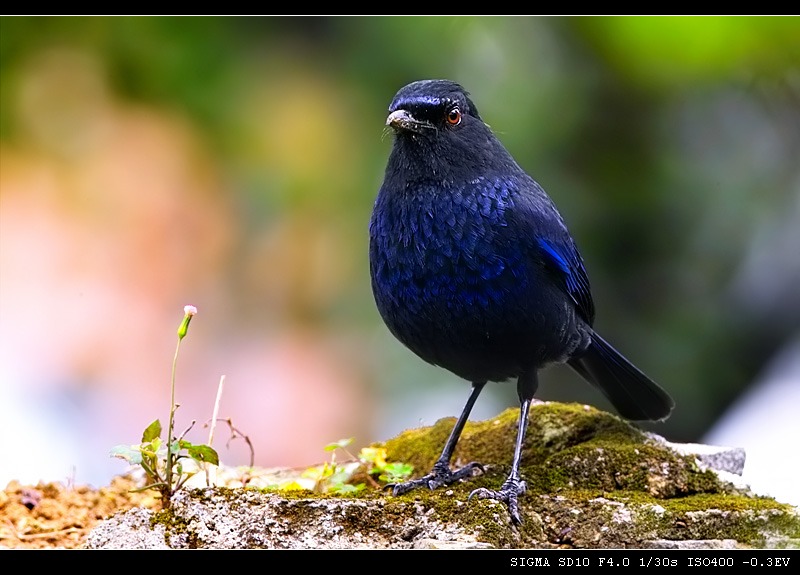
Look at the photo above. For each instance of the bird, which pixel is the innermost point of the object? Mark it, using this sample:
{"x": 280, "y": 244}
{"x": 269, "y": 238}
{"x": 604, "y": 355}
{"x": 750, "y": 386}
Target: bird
{"x": 473, "y": 269}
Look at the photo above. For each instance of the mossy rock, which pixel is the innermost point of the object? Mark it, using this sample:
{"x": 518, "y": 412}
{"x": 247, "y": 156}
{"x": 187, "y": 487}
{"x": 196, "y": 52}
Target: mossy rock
{"x": 567, "y": 446}
{"x": 594, "y": 481}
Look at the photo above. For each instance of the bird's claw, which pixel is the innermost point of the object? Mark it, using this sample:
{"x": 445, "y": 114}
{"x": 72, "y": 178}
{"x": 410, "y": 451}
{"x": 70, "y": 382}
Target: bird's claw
{"x": 508, "y": 494}
{"x": 440, "y": 475}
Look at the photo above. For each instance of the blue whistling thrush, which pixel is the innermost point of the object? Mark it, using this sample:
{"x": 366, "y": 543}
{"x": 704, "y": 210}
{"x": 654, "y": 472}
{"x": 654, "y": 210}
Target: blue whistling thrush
{"x": 474, "y": 270}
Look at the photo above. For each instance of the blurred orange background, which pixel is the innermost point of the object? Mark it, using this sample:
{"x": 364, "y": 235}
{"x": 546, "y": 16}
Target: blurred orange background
{"x": 147, "y": 163}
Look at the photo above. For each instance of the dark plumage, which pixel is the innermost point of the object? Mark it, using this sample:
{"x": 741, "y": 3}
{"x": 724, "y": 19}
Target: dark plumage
{"x": 474, "y": 270}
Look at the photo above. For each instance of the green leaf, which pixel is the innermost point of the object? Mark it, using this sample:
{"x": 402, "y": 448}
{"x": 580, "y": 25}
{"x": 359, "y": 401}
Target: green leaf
{"x": 130, "y": 454}
{"x": 338, "y": 444}
{"x": 318, "y": 473}
{"x": 344, "y": 488}
{"x": 176, "y": 446}
{"x": 203, "y": 453}
{"x": 154, "y": 445}
{"x": 395, "y": 472}
{"x": 152, "y": 432}
{"x": 185, "y": 444}
{"x": 374, "y": 455}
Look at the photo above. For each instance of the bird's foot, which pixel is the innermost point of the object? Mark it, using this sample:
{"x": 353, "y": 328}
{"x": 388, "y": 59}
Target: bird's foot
{"x": 440, "y": 475}
{"x": 508, "y": 494}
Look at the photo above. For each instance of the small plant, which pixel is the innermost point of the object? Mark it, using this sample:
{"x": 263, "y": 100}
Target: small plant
{"x": 162, "y": 461}
{"x": 335, "y": 477}
{"x": 394, "y": 472}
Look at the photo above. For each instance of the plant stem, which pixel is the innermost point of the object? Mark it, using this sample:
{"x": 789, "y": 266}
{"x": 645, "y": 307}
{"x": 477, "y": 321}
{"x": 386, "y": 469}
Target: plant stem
{"x": 171, "y": 427}
{"x": 214, "y": 416}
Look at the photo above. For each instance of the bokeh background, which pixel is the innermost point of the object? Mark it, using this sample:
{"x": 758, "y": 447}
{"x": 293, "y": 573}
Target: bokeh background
{"x": 231, "y": 163}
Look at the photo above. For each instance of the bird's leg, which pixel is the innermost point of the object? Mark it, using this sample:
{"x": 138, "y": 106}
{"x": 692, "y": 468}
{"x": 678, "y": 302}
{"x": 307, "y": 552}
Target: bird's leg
{"x": 514, "y": 485}
{"x": 441, "y": 474}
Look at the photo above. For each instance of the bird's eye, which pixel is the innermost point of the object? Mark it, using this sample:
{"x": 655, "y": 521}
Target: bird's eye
{"x": 454, "y": 116}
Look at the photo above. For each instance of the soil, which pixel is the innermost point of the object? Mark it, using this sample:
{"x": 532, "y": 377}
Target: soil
{"x": 59, "y": 516}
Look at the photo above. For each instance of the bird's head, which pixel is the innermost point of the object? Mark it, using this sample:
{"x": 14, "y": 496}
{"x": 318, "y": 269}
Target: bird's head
{"x": 430, "y": 106}
{"x": 439, "y": 133}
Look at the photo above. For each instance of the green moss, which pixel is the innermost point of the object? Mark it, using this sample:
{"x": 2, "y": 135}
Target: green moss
{"x": 552, "y": 428}
{"x": 420, "y": 447}
{"x": 486, "y": 520}
{"x": 729, "y": 516}
{"x": 581, "y": 455}
{"x": 173, "y": 526}
{"x": 567, "y": 446}
{"x": 594, "y": 480}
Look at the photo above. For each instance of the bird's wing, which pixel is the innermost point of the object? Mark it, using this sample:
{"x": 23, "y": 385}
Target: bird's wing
{"x": 531, "y": 219}
{"x": 564, "y": 261}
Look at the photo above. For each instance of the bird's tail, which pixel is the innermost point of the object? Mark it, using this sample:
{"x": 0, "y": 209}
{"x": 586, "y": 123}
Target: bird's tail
{"x": 633, "y": 394}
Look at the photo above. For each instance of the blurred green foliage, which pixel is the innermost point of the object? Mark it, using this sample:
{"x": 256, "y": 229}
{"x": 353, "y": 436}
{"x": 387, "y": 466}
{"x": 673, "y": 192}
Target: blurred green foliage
{"x": 671, "y": 146}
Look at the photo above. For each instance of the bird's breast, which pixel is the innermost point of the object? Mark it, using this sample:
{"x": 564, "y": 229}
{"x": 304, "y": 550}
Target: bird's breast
{"x": 444, "y": 248}
{"x": 453, "y": 281}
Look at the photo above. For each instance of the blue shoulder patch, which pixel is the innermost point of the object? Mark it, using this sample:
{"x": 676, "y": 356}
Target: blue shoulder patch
{"x": 569, "y": 265}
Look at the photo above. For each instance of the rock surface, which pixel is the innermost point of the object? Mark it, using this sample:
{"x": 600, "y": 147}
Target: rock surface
{"x": 594, "y": 481}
